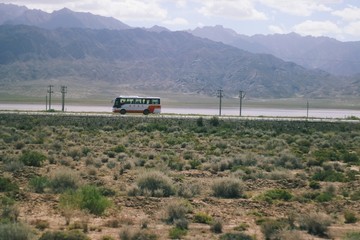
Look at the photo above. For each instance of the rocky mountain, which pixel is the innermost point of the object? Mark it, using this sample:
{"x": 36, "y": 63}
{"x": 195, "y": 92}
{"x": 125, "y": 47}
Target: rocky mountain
{"x": 335, "y": 57}
{"x": 165, "y": 61}
{"x": 64, "y": 18}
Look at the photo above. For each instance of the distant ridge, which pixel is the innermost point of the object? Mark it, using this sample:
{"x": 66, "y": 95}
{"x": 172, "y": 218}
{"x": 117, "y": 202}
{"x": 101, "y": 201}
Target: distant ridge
{"x": 64, "y": 18}
{"x": 335, "y": 57}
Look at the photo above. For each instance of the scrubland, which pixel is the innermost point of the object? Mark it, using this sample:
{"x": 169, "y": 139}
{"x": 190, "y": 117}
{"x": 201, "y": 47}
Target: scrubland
{"x": 116, "y": 177}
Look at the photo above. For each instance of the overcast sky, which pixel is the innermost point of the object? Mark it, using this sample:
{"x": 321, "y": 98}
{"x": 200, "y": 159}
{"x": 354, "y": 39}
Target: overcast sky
{"x": 339, "y": 19}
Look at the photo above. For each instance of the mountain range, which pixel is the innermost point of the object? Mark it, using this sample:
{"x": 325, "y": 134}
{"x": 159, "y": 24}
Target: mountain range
{"x": 84, "y": 47}
{"x": 335, "y": 57}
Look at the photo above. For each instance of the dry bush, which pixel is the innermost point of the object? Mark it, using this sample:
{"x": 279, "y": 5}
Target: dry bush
{"x": 315, "y": 223}
{"x": 41, "y": 224}
{"x": 228, "y": 188}
{"x": 15, "y": 231}
{"x": 216, "y": 226}
{"x": 176, "y": 210}
{"x": 137, "y": 235}
{"x": 64, "y": 179}
{"x": 156, "y": 182}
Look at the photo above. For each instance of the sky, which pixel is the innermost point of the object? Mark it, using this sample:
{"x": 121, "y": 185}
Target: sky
{"x": 338, "y": 19}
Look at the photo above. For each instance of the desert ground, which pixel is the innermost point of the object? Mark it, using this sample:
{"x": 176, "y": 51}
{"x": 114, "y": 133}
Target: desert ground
{"x": 148, "y": 177}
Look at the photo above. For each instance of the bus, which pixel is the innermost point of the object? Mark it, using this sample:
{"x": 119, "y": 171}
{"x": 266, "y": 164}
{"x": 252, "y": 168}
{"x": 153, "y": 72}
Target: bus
{"x": 135, "y": 104}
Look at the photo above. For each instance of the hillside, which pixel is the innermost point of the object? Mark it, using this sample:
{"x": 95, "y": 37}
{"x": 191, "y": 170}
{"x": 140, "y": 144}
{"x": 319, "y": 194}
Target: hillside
{"x": 164, "y": 61}
{"x": 330, "y": 55}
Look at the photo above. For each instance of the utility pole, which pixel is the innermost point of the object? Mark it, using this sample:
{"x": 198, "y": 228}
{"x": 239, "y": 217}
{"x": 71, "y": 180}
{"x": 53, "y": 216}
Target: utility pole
{"x": 220, "y": 95}
{"x": 307, "y": 109}
{"x": 241, "y": 96}
{"x": 63, "y": 91}
{"x": 50, "y": 91}
{"x": 46, "y": 103}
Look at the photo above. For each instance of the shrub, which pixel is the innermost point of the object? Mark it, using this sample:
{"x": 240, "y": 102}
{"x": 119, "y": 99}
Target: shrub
{"x": 314, "y": 185}
{"x": 176, "y": 210}
{"x": 355, "y": 196}
{"x": 214, "y": 121}
{"x": 106, "y": 237}
{"x": 156, "y": 182}
{"x": 200, "y": 122}
{"x": 329, "y": 176}
{"x": 195, "y": 163}
{"x": 324, "y": 197}
{"x": 350, "y": 217}
{"x": 63, "y": 180}
{"x": 93, "y": 200}
{"x": 13, "y": 165}
{"x": 216, "y": 226}
{"x": 289, "y": 161}
{"x": 278, "y": 194}
{"x": 32, "y": 158}
{"x": 75, "y": 153}
{"x": 138, "y": 235}
{"x": 201, "y": 217}
{"x": 242, "y": 227}
{"x": 352, "y": 236}
{"x": 10, "y": 213}
{"x": 38, "y": 184}
{"x": 182, "y": 223}
{"x": 177, "y": 233}
{"x": 235, "y": 236}
{"x": 271, "y": 228}
{"x": 350, "y": 157}
{"x": 88, "y": 197}
{"x": 15, "y": 231}
{"x": 119, "y": 149}
{"x": 315, "y": 223}
{"x": 68, "y": 235}
{"x": 41, "y": 224}
{"x": 228, "y": 188}
{"x": 7, "y": 186}
{"x": 188, "y": 190}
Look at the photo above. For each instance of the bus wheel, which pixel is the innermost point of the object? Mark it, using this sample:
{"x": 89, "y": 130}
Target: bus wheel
{"x": 146, "y": 112}
{"x": 122, "y": 111}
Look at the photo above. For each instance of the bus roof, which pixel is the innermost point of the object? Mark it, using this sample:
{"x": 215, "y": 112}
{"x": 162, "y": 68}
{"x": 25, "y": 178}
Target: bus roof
{"x": 135, "y": 97}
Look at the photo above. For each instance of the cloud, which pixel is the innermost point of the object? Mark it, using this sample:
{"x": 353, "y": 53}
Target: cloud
{"x": 348, "y": 14}
{"x": 276, "y": 29}
{"x": 353, "y": 29}
{"x": 317, "y": 28}
{"x": 299, "y": 7}
{"x": 181, "y": 3}
{"x": 239, "y": 10}
{"x": 176, "y": 22}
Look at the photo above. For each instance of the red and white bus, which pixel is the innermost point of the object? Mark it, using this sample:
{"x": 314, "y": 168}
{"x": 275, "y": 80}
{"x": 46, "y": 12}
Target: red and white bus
{"x": 135, "y": 104}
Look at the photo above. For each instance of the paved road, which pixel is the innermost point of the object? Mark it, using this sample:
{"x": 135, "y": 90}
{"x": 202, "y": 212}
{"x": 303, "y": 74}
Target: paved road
{"x": 182, "y": 116}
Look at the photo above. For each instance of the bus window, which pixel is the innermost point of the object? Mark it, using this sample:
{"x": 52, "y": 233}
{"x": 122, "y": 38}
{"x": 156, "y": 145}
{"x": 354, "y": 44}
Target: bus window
{"x": 138, "y": 101}
{"x": 155, "y": 101}
{"x": 122, "y": 100}
{"x": 129, "y": 100}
